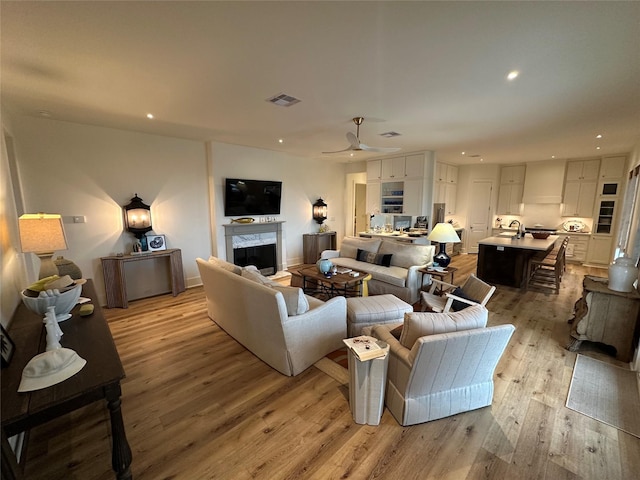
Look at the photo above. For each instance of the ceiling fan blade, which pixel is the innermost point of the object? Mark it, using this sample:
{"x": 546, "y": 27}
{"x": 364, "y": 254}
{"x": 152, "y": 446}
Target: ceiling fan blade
{"x": 340, "y": 151}
{"x": 353, "y": 140}
{"x": 367, "y": 148}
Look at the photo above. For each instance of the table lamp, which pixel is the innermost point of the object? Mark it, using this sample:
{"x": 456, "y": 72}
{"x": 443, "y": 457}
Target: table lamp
{"x": 42, "y": 234}
{"x": 443, "y": 233}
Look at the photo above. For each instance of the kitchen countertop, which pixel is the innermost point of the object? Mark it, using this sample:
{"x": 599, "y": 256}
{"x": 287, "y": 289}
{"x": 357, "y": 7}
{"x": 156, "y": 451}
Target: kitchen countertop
{"x": 527, "y": 243}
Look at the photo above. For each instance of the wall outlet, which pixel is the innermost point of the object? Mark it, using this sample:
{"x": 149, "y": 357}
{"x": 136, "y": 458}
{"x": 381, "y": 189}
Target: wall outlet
{"x": 79, "y": 219}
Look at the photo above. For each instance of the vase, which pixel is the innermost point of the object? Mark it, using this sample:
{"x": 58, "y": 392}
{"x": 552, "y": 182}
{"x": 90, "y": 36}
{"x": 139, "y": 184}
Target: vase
{"x": 622, "y": 274}
{"x": 324, "y": 265}
{"x": 67, "y": 267}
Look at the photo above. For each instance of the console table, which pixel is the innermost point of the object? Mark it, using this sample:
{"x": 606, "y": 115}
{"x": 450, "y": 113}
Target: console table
{"x": 115, "y": 280}
{"x": 313, "y": 244}
{"x": 99, "y": 379}
{"x": 606, "y": 316}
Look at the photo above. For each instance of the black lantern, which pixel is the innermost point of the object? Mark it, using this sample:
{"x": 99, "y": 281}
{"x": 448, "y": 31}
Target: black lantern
{"x": 138, "y": 219}
{"x": 320, "y": 211}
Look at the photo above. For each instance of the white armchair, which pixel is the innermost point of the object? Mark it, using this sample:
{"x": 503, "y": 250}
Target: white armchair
{"x": 442, "y": 374}
{"x": 473, "y": 292}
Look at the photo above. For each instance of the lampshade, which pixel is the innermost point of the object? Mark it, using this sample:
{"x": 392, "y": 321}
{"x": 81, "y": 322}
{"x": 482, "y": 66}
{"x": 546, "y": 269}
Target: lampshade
{"x": 138, "y": 216}
{"x": 443, "y": 233}
{"x": 320, "y": 211}
{"x": 42, "y": 234}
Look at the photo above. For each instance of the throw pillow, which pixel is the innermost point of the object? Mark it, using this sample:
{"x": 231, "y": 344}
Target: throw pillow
{"x": 294, "y": 298}
{"x": 350, "y": 246}
{"x": 374, "y": 258}
{"x": 419, "y": 324}
{"x": 457, "y": 305}
{"x": 255, "y": 275}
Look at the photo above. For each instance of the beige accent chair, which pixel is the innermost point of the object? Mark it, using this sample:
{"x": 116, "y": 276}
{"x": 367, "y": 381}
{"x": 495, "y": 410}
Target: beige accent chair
{"x": 473, "y": 292}
{"x": 443, "y": 364}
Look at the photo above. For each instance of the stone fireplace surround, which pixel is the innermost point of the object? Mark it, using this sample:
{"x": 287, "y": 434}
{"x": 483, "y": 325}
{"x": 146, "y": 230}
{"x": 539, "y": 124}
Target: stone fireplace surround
{"x": 238, "y": 235}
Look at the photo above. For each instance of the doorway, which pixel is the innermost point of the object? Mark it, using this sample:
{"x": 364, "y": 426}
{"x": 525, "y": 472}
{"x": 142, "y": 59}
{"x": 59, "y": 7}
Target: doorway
{"x": 479, "y": 213}
{"x": 360, "y": 209}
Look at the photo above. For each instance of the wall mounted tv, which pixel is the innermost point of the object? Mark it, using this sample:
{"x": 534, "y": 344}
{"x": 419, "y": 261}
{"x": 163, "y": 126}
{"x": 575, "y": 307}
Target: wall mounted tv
{"x": 251, "y": 197}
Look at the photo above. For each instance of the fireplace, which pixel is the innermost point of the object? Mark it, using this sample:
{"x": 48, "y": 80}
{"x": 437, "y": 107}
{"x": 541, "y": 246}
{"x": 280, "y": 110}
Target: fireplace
{"x": 262, "y": 256}
{"x": 258, "y": 244}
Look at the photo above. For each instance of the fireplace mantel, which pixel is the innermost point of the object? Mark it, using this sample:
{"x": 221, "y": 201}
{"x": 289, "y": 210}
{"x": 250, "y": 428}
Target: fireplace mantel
{"x": 235, "y": 229}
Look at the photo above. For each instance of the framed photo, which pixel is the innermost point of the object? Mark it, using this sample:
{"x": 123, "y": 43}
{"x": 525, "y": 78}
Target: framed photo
{"x": 156, "y": 242}
{"x": 7, "y": 346}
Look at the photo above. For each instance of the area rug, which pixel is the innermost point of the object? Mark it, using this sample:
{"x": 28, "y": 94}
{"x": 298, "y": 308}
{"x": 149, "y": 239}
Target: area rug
{"x": 606, "y": 393}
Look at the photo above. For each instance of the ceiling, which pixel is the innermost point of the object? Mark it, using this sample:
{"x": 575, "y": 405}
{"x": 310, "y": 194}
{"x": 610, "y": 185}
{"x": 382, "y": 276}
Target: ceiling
{"x": 435, "y": 72}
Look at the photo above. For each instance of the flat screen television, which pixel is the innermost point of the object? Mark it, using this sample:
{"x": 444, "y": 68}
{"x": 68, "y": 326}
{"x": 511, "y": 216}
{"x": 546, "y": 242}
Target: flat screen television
{"x": 251, "y": 197}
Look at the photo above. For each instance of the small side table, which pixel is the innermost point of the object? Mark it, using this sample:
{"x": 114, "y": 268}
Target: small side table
{"x": 367, "y": 381}
{"x": 449, "y": 271}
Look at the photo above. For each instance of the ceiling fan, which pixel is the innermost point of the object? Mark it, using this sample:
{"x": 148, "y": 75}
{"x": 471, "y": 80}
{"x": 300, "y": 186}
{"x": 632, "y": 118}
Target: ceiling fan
{"x": 356, "y": 145}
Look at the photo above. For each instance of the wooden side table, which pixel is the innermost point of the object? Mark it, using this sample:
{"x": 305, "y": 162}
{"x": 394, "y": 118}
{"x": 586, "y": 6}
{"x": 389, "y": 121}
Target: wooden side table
{"x": 606, "y": 316}
{"x": 449, "y": 271}
{"x": 115, "y": 280}
{"x": 313, "y": 244}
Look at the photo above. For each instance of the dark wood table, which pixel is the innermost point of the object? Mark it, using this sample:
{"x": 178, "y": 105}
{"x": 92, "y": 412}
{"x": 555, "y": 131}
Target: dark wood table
{"x": 100, "y": 379}
{"x": 315, "y": 283}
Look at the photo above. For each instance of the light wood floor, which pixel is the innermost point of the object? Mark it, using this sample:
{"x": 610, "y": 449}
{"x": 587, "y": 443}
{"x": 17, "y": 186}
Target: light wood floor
{"x": 199, "y": 406}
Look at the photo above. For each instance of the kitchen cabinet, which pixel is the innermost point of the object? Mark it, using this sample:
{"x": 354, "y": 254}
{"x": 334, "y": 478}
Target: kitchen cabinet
{"x": 412, "y": 204}
{"x": 582, "y": 170}
{"x": 374, "y": 193}
{"x": 577, "y": 247}
{"x": 510, "y": 199}
{"x": 446, "y": 173}
{"x": 393, "y": 168}
{"x": 512, "y": 174}
{"x": 414, "y": 166}
{"x": 599, "y": 251}
{"x": 613, "y": 168}
{"x": 605, "y": 216}
{"x": 578, "y": 199}
{"x": 374, "y": 170}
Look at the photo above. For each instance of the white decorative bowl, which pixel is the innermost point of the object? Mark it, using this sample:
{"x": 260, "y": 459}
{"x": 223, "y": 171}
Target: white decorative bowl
{"x": 63, "y": 303}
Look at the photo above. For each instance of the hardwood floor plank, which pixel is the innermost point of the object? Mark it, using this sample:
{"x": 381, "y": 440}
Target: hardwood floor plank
{"x": 197, "y": 405}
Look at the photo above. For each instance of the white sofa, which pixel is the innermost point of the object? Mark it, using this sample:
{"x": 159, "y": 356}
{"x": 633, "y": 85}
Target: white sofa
{"x": 442, "y": 364}
{"x": 401, "y": 278}
{"x": 284, "y": 328}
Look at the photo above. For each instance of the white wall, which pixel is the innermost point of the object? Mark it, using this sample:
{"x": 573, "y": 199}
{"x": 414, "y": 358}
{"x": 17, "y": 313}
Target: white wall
{"x": 74, "y": 169}
{"x": 303, "y": 182}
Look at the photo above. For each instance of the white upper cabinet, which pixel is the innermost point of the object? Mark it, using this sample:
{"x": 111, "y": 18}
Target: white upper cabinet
{"x": 512, "y": 174}
{"x": 613, "y": 168}
{"x": 414, "y": 166}
{"x": 452, "y": 174}
{"x": 393, "y": 168}
{"x": 582, "y": 170}
{"x": 374, "y": 169}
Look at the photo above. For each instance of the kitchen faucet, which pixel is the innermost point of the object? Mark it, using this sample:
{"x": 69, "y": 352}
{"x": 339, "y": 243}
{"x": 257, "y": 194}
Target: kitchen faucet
{"x": 513, "y": 223}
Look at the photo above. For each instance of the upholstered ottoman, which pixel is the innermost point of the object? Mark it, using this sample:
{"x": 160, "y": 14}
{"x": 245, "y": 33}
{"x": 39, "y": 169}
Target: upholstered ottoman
{"x": 379, "y": 309}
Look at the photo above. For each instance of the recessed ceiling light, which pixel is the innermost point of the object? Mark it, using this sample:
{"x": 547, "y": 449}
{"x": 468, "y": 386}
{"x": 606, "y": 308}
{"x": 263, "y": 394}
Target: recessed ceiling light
{"x": 280, "y": 140}
{"x": 352, "y": 154}
{"x": 150, "y": 116}
{"x": 597, "y": 148}
{"x": 463, "y": 153}
{"x": 598, "y": 136}
{"x": 553, "y": 156}
{"x": 513, "y": 74}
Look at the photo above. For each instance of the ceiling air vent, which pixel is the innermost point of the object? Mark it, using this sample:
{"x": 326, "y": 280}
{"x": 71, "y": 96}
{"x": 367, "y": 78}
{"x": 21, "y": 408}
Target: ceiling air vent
{"x": 390, "y": 134}
{"x": 283, "y": 100}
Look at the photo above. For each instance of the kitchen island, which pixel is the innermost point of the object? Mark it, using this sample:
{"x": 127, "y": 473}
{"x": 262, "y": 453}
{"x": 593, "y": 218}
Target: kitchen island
{"x": 504, "y": 260}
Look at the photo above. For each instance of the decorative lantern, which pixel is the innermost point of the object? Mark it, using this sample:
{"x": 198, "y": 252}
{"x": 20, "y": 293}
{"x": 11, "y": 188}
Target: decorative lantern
{"x": 320, "y": 211}
{"x": 138, "y": 219}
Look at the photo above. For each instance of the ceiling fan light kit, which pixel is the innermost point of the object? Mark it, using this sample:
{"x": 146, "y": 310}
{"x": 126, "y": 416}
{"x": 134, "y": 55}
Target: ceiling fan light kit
{"x": 356, "y": 145}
